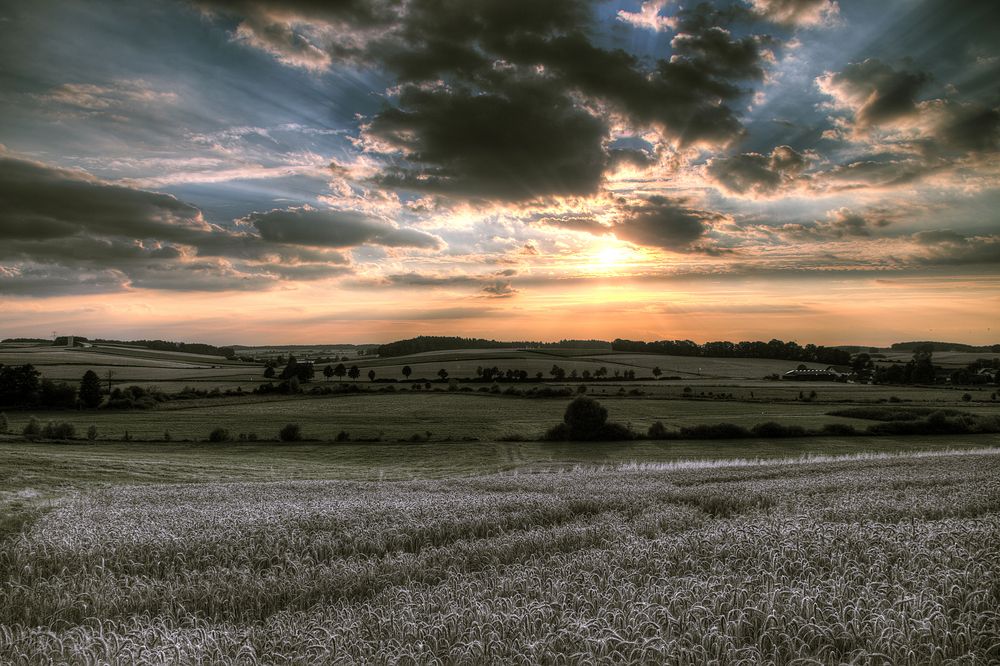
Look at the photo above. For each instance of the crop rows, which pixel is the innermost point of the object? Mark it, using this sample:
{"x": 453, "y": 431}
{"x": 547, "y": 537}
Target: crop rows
{"x": 892, "y": 560}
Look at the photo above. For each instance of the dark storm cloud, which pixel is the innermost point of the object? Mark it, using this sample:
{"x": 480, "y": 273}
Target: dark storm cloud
{"x": 664, "y": 223}
{"x": 56, "y": 222}
{"x": 491, "y": 285}
{"x": 839, "y": 224}
{"x": 879, "y": 95}
{"x": 512, "y": 100}
{"x": 205, "y": 275}
{"x": 948, "y": 248}
{"x": 34, "y": 280}
{"x": 520, "y": 141}
{"x": 755, "y": 173}
{"x": 413, "y": 279}
{"x": 334, "y": 228}
{"x": 307, "y": 271}
{"x": 84, "y": 248}
{"x": 885, "y": 93}
{"x": 971, "y": 128}
{"x": 39, "y": 201}
{"x": 939, "y": 237}
{"x": 880, "y": 173}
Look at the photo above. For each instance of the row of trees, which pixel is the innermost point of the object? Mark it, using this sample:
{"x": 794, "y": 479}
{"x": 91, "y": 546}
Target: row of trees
{"x": 774, "y": 349}
{"x": 426, "y": 343}
{"x": 158, "y": 345}
{"x": 304, "y": 372}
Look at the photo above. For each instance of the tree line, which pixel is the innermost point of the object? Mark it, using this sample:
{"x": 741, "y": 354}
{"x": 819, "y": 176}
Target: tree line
{"x": 156, "y": 345}
{"x": 774, "y": 349}
{"x": 426, "y": 343}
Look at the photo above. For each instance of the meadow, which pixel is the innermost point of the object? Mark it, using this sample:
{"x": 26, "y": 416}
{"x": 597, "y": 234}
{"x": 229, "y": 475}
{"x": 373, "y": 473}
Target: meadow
{"x": 445, "y": 415}
{"x": 868, "y": 558}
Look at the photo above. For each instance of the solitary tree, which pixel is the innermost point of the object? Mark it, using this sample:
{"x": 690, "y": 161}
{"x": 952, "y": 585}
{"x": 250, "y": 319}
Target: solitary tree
{"x": 354, "y": 373}
{"x": 371, "y": 375}
{"x": 443, "y": 374}
{"x": 328, "y": 372}
{"x": 340, "y": 371}
{"x": 585, "y": 416}
{"x": 407, "y": 371}
{"x": 657, "y": 372}
{"x": 90, "y": 389}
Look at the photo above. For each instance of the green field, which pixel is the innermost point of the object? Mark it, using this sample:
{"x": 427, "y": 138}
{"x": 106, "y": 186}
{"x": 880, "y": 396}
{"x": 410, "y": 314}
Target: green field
{"x": 162, "y": 554}
{"x": 446, "y": 415}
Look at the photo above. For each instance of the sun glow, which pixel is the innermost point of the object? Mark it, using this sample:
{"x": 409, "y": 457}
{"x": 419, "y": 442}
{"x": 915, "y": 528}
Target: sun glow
{"x": 613, "y": 256}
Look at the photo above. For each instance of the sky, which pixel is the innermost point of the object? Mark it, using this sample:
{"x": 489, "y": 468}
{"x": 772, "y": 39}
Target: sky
{"x": 321, "y": 171}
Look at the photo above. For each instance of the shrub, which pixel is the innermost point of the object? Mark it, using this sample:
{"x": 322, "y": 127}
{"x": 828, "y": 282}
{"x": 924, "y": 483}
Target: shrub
{"x": 126, "y": 437}
{"x": 658, "y": 431}
{"x": 219, "y": 435}
{"x": 614, "y": 432}
{"x": 92, "y": 433}
{"x": 166, "y": 436}
{"x": 586, "y": 420}
{"x": 584, "y": 417}
{"x": 292, "y": 432}
{"x": 33, "y": 430}
{"x": 967, "y": 397}
{"x": 893, "y": 413}
{"x": 939, "y": 423}
{"x": 772, "y": 429}
{"x": 63, "y": 430}
{"x": 839, "y": 429}
{"x": 342, "y": 436}
{"x": 557, "y": 433}
{"x": 715, "y": 431}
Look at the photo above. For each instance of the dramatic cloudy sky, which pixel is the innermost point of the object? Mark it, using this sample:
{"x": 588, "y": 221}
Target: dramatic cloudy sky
{"x": 249, "y": 171}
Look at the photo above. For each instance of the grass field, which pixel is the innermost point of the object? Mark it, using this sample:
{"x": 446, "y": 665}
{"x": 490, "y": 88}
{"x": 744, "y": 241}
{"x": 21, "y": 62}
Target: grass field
{"x": 864, "y": 559}
{"x": 446, "y": 415}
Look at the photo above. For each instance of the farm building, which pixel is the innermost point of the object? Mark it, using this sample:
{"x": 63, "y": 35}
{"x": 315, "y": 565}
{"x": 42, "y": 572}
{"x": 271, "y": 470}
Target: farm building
{"x": 830, "y": 374}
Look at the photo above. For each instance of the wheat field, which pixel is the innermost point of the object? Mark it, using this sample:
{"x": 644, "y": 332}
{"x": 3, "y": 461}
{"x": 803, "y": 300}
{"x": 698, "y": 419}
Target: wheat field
{"x": 865, "y": 559}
